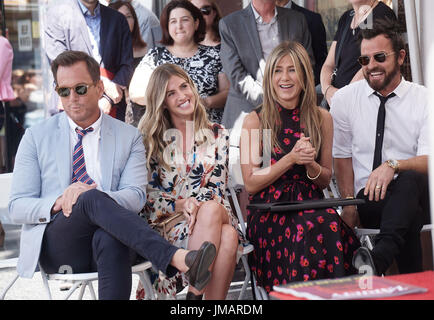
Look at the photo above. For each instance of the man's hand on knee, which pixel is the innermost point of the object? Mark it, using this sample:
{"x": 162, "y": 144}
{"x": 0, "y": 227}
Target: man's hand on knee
{"x": 70, "y": 196}
{"x": 378, "y": 182}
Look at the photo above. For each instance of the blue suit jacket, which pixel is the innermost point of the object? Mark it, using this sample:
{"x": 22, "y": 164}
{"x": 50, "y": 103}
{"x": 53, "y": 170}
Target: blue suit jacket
{"x": 43, "y": 170}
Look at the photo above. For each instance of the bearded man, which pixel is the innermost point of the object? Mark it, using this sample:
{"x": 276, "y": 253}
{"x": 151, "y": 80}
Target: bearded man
{"x": 380, "y": 151}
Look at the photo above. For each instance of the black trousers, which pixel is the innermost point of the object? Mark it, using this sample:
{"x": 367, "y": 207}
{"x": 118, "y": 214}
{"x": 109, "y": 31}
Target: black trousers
{"x": 400, "y": 217}
{"x": 102, "y": 236}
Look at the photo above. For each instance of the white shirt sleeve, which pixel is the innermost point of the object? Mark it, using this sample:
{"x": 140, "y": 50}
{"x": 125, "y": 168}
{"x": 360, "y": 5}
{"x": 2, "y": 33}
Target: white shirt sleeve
{"x": 343, "y": 135}
{"x": 423, "y": 140}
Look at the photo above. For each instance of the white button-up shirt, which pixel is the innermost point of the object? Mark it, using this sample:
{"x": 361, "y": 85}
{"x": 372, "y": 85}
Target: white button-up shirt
{"x": 91, "y": 148}
{"x": 268, "y": 32}
{"x": 354, "y": 109}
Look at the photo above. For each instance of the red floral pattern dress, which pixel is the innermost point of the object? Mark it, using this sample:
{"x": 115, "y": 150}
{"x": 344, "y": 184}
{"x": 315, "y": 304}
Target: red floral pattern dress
{"x": 300, "y": 245}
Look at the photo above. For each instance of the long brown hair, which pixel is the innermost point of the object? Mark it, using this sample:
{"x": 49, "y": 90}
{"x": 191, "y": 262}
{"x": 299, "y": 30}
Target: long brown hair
{"x": 138, "y": 41}
{"x": 156, "y": 120}
{"x": 310, "y": 115}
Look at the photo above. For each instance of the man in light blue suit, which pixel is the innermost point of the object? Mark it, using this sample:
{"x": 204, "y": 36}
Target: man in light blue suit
{"x": 78, "y": 183}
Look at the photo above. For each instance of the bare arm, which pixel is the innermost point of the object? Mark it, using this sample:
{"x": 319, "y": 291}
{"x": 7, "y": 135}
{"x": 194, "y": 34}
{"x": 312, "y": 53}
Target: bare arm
{"x": 326, "y": 74}
{"x": 218, "y": 100}
{"x": 257, "y": 178}
{"x": 325, "y": 162}
{"x": 345, "y": 179}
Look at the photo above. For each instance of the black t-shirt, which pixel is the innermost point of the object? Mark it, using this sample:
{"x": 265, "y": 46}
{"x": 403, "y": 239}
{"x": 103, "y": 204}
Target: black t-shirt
{"x": 350, "y": 52}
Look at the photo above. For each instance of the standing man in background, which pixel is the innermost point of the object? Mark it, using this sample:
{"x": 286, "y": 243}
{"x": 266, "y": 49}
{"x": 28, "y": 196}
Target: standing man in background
{"x": 248, "y": 36}
{"x": 101, "y": 32}
{"x": 317, "y": 32}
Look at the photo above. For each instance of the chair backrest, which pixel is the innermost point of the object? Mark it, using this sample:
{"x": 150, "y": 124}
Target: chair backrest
{"x": 235, "y": 176}
{"x": 5, "y": 187}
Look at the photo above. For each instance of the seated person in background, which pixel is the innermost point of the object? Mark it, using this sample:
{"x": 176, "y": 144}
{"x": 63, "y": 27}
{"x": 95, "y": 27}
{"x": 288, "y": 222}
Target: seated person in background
{"x": 187, "y": 158}
{"x": 298, "y": 245}
{"x": 78, "y": 184}
{"x": 380, "y": 150}
{"x": 183, "y": 28}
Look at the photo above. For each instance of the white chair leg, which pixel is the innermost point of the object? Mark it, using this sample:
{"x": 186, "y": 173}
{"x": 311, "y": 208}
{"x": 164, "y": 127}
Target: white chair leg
{"x": 82, "y": 289}
{"x": 5, "y": 290}
{"x": 46, "y": 285}
{"x": 92, "y": 291}
{"x": 246, "y": 279}
{"x": 72, "y": 290}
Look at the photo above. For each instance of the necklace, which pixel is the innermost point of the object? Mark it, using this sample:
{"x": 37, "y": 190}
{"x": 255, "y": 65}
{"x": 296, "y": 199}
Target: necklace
{"x": 361, "y": 14}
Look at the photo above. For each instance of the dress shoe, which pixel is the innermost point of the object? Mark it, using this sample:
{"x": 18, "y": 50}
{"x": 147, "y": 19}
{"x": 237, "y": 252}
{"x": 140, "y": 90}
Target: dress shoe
{"x": 191, "y": 296}
{"x": 198, "y": 262}
{"x": 362, "y": 258}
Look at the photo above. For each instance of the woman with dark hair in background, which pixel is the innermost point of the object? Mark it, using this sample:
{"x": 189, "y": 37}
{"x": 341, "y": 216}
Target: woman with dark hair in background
{"x": 139, "y": 46}
{"x": 183, "y": 28}
{"x": 341, "y": 66}
{"x": 212, "y": 15}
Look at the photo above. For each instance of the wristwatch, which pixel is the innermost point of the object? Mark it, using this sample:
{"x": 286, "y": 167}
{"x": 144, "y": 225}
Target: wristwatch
{"x": 394, "y": 164}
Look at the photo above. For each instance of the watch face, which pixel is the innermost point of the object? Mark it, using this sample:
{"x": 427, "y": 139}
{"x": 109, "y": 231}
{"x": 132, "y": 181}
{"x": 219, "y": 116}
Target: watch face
{"x": 393, "y": 164}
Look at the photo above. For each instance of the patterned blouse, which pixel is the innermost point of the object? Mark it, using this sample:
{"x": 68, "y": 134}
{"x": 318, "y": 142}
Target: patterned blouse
{"x": 203, "y": 68}
{"x": 204, "y": 177}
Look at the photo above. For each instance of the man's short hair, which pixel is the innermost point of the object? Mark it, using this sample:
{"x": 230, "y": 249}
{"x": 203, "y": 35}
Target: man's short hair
{"x": 69, "y": 58}
{"x": 388, "y": 28}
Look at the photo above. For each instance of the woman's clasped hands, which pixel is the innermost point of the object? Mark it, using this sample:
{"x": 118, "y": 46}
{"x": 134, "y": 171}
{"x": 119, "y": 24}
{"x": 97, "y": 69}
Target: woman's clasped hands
{"x": 303, "y": 152}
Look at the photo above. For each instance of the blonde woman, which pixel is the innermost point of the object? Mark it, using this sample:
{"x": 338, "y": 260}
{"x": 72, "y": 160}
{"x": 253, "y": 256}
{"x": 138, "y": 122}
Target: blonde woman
{"x": 187, "y": 160}
{"x": 303, "y": 245}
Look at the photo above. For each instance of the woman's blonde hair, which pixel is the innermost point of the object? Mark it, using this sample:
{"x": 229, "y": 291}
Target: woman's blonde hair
{"x": 157, "y": 121}
{"x": 310, "y": 115}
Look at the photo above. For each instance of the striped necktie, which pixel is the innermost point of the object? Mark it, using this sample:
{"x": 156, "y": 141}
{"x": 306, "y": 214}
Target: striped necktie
{"x": 79, "y": 172}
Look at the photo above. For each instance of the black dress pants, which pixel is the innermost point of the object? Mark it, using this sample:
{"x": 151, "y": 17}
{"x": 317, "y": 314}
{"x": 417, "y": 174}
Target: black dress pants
{"x": 100, "y": 235}
{"x": 400, "y": 217}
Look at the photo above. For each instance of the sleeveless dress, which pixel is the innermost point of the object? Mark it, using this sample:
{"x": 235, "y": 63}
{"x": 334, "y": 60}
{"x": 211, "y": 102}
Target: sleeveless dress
{"x": 299, "y": 245}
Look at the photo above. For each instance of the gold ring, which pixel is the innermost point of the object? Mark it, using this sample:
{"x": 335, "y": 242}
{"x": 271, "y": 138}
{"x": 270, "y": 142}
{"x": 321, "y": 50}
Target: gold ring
{"x": 378, "y": 187}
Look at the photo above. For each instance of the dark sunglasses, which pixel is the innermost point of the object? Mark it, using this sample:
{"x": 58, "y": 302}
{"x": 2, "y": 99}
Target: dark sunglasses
{"x": 80, "y": 89}
{"x": 206, "y": 10}
{"x": 379, "y": 57}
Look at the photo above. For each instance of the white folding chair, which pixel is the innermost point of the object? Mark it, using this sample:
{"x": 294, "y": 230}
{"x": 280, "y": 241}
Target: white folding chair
{"x": 235, "y": 182}
{"x": 80, "y": 280}
{"x": 364, "y": 234}
{"x": 76, "y": 279}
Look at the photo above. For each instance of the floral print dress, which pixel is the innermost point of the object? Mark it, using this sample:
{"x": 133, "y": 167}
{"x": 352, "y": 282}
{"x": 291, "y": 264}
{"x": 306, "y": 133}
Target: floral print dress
{"x": 203, "y": 176}
{"x": 203, "y": 68}
{"x": 299, "y": 245}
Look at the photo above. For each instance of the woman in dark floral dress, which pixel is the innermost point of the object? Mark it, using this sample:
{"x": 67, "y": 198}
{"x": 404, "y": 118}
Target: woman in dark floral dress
{"x": 299, "y": 245}
{"x": 187, "y": 160}
{"x": 183, "y": 27}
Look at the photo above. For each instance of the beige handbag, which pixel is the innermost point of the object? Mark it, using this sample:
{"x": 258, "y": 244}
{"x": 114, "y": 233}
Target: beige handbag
{"x": 165, "y": 226}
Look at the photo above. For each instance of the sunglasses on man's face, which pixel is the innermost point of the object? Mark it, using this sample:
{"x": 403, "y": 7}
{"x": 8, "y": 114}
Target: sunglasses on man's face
{"x": 80, "y": 89}
{"x": 206, "y": 10}
{"x": 379, "y": 57}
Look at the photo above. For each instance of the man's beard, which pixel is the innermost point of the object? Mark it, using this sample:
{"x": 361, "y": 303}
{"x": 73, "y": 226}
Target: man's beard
{"x": 379, "y": 86}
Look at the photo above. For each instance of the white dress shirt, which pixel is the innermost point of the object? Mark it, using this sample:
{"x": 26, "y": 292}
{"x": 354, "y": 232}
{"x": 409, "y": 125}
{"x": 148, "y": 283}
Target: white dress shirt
{"x": 354, "y": 109}
{"x": 268, "y": 32}
{"x": 91, "y": 149}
